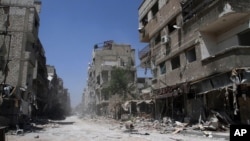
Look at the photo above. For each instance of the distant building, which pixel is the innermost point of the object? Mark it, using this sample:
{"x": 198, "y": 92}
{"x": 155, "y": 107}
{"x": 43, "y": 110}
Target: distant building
{"x": 198, "y": 52}
{"x": 58, "y": 97}
{"x": 104, "y": 59}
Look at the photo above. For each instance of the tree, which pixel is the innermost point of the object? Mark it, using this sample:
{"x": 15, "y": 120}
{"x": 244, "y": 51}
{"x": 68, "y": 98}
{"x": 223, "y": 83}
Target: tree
{"x": 121, "y": 83}
{"x": 120, "y": 89}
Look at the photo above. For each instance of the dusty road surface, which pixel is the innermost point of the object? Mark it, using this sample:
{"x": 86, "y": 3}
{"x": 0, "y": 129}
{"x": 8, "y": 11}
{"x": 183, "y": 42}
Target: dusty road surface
{"x": 100, "y": 130}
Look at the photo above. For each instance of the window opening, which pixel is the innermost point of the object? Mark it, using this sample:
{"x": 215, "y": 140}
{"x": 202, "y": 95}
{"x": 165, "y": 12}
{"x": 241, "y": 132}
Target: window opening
{"x": 171, "y": 24}
{"x": 162, "y": 67}
{"x": 155, "y": 9}
{"x": 244, "y": 38}
{"x": 158, "y": 39}
{"x": 175, "y": 62}
{"x": 191, "y": 55}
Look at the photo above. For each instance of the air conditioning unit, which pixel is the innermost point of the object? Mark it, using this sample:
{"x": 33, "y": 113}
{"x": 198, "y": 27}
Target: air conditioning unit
{"x": 164, "y": 39}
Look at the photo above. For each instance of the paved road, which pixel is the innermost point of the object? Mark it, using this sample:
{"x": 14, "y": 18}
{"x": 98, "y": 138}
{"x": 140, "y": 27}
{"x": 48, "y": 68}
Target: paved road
{"x": 99, "y": 130}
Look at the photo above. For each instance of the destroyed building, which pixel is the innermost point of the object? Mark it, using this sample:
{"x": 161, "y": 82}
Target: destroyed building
{"x": 198, "y": 51}
{"x": 22, "y": 63}
{"x": 105, "y": 58}
{"x": 24, "y": 91}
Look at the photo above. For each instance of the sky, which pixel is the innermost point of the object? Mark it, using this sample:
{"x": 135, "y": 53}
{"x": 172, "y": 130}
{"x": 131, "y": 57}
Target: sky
{"x": 69, "y": 29}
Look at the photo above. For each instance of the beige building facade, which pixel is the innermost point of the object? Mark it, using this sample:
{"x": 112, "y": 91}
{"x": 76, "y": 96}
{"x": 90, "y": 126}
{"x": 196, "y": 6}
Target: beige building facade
{"x": 197, "y": 50}
{"x": 105, "y": 58}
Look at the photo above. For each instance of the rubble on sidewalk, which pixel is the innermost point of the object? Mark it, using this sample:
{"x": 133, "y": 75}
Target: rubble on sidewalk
{"x": 166, "y": 125}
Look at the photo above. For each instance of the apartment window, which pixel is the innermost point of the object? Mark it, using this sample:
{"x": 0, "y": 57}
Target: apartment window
{"x": 168, "y": 49}
{"x": 158, "y": 39}
{"x": 36, "y": 23}
{"x": 145, "y": 20}
{"x": 171, "y": 24}
{"x": 191, "y": 55}
{"x": 175, "y": 62}
{"x": 98, "y": 79}
{"x": 155, "y": 9}
{"x": 162, "y": 67}
{"x": 105, "y": 76}
{"x": 244, "y": 38}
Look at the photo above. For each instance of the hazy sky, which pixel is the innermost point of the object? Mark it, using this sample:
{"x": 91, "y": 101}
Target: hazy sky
{"x": 70, "y": 28}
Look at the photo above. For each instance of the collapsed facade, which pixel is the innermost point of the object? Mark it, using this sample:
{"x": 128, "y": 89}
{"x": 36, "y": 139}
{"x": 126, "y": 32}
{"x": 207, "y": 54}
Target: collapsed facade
{"x": 198, "y": 52}
{"x": 104, "y": 59}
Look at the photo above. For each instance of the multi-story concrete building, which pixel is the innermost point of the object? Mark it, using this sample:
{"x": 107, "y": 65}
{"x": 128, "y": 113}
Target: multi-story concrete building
{"x": 40, "y": 82}
{"x": 198, "y": 52}
{"x": 58, "y": 105}
{"x": 19, "y": 46}
{"x": 104, "y": 59}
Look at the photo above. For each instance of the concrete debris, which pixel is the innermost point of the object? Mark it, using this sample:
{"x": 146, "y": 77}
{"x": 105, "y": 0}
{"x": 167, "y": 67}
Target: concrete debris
{"x": 176, "y": 139}
{"x": 207, "y": 134}
{"x": 129, "y": 125}
{"x": 168, "y": 126}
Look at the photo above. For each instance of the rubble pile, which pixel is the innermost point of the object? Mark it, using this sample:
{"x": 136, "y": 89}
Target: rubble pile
{"x": 168, "y": 126}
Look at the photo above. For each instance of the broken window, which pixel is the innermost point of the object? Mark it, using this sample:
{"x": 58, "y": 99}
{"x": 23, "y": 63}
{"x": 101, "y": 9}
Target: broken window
{"x": 191, "y": 55}
{"x": 144, "y": 20}
{"x": 244, "y": 38}
{"x": 36, "y": 23}
{"x": 157, "y": 39}
{"x": 162, "y": 67}
{"x": 98, "y": 79}
{"x": 155, "y": 9}
{"x": 175, "y": 62}
{"x": 105, "y": 76}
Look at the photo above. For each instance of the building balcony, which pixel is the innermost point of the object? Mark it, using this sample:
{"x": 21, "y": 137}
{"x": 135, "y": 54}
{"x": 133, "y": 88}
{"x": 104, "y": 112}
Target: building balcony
{"x": 221, "y": 62}
{"x": 107, "y": 67}
{"x": 217, "y": 16}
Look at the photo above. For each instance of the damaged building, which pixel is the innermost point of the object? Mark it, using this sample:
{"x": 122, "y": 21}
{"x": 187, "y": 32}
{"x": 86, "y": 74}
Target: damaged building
{"x": 20, "y": 61}
{"x": 24, "y": 91}
{"x": 105, "y": 58}
{"x": 198, "y": 51}
{"x": 58, "y": 102}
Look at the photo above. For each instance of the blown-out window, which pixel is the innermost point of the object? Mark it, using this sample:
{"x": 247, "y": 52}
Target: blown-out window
{"x": 155, "y": 9}
{"x": 191, "y": 55}
{"x": 175, "y": 62}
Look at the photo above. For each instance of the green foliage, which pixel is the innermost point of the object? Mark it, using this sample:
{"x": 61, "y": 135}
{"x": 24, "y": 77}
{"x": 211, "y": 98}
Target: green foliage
{"x": 120, "y": 83}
